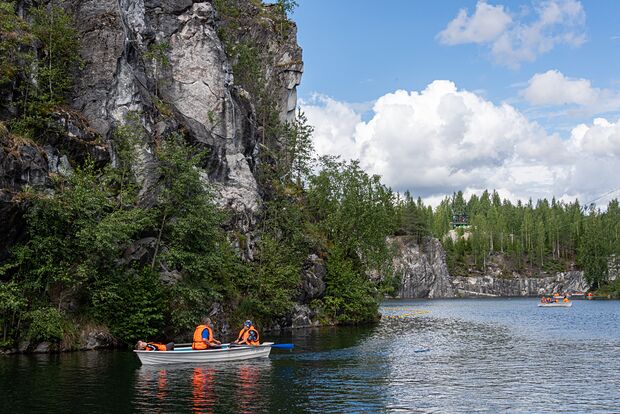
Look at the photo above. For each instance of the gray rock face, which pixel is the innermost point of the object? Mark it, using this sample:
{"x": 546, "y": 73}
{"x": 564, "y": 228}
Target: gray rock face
{"x": 312, "y": 279}
{"x": 520, "y": 286}
{"x": 423, "y": 269}
{"x": 43, "y": 348}
{"x": 613, "y": 268}
{"x": 424, "y": 274}
{"x": 303, "y": 317}
{"x": 96, "y": 338}
{"x": 190, "y": 73}
{"x": 22, "y": 164}
{"x": 164, "y": 60}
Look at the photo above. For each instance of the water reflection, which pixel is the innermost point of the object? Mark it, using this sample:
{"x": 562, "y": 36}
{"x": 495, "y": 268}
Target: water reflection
{"x": 248, "y": 391}
{"x": 203, "y": 391}
{"x": 240, "y": 387}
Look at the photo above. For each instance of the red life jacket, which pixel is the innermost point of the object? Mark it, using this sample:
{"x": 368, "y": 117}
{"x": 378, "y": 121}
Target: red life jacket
{"x": 241, "y": 333}
{"x": 152, "y": 346}
{"x": 199, "y": 342}
{"x": 250, "y": 336}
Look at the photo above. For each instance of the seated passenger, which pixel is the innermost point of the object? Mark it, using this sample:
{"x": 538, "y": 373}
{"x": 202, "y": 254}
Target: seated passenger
{"x": 154, "y": 346}
{"x": 203, "y": 336}
{"x": 248, "y": 335}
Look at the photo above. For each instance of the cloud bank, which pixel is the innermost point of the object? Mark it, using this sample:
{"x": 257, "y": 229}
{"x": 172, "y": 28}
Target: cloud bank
{"x": 515, "y": 38}
{"x": 442, "y": 140}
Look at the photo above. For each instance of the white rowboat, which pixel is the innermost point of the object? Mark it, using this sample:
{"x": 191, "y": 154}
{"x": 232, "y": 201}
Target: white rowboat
{"x": 185, "y": 355}
{"x": 556, "y": 305}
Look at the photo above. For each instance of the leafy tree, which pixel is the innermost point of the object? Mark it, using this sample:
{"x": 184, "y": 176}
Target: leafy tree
{"x": 355, "y": 213}
{"x": 43, "y": 55}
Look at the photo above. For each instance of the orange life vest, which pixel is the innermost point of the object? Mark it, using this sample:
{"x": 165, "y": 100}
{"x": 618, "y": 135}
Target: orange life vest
{"x": 245, "y": 336}
{"x": 199, "y": 342}
{"x": 152, "y": 346}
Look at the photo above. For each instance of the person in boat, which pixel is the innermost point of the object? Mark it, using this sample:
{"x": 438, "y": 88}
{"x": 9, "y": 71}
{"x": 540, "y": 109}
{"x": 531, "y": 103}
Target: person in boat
{"x": 203, "y": 336}
{"x": 154, "y": 346}
{"x": 248, "y": 335}
{"x": 565, "y": 299}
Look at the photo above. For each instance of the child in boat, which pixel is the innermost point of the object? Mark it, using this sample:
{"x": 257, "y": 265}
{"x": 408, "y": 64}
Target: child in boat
{"x": 154, "y": 346}
{"x": 248, "y": 335}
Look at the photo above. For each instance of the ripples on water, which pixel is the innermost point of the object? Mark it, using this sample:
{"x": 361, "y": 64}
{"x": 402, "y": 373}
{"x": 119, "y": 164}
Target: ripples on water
{"x": 485, "y": 356}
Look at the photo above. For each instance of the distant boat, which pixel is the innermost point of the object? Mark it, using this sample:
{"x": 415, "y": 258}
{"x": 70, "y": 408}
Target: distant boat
{"x": 556, "y": 305}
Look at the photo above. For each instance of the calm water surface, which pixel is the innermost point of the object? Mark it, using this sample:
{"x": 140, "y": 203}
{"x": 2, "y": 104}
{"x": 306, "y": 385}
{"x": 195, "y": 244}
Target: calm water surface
{"x": 483, "y": 356}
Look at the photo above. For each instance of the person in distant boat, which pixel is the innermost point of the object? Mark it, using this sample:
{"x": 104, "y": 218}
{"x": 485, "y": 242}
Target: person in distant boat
{"x": 248, "y": 335}
{"x": 565, "y": 299}
{"x": 154, "y": 346}
{"x": 203, "y": 336}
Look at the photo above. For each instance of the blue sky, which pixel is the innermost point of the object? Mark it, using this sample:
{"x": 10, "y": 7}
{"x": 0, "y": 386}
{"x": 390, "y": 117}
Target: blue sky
{"x": 356, "y": 50}
{"x": 544, "y": 70}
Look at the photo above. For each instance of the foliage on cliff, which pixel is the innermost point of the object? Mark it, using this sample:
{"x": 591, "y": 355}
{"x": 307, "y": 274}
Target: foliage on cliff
{"x": 38, "y": 57}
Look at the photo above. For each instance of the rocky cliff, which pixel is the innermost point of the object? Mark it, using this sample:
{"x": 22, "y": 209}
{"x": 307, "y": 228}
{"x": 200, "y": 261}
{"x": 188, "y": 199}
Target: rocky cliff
{"x": 422, "y": 269}
{"x": 424, "y": 274}
{"x": 165, "y": 61}
{"x": 174, "y": 68}
{"x": 489, "y": 285}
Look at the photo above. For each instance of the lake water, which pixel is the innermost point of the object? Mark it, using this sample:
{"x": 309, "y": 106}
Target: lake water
{"x": 443, "y": 356}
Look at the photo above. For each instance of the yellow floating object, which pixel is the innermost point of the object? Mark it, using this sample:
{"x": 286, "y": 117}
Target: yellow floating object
{"x": 406, "y": 315}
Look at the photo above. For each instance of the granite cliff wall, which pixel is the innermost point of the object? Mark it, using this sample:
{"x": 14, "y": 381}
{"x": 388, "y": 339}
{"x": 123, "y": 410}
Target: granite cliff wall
{"x": 163, "y": 60}
{"x": 424, "y": 274}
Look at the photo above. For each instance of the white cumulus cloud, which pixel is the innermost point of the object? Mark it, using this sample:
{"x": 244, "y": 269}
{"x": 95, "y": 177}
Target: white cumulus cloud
{"x": 553, "y": 88}
{"x": 443, "y": 139}
{"x": 485, "y": 25}
{"x": 515, "y": 39}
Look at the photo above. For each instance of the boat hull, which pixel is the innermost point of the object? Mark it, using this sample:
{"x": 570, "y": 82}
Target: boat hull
{"x": 188, "y": 355}
{"x": 555, "y": 305}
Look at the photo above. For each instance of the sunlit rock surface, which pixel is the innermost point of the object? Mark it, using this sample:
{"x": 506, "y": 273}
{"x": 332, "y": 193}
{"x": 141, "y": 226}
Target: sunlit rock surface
{"x": 424, "y": 274}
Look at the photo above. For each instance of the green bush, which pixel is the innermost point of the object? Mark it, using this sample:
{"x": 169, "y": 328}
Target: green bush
{"x": 131, "y": 304}
{"x": 350, "y": 297}
{"x": 47, "y": 324}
